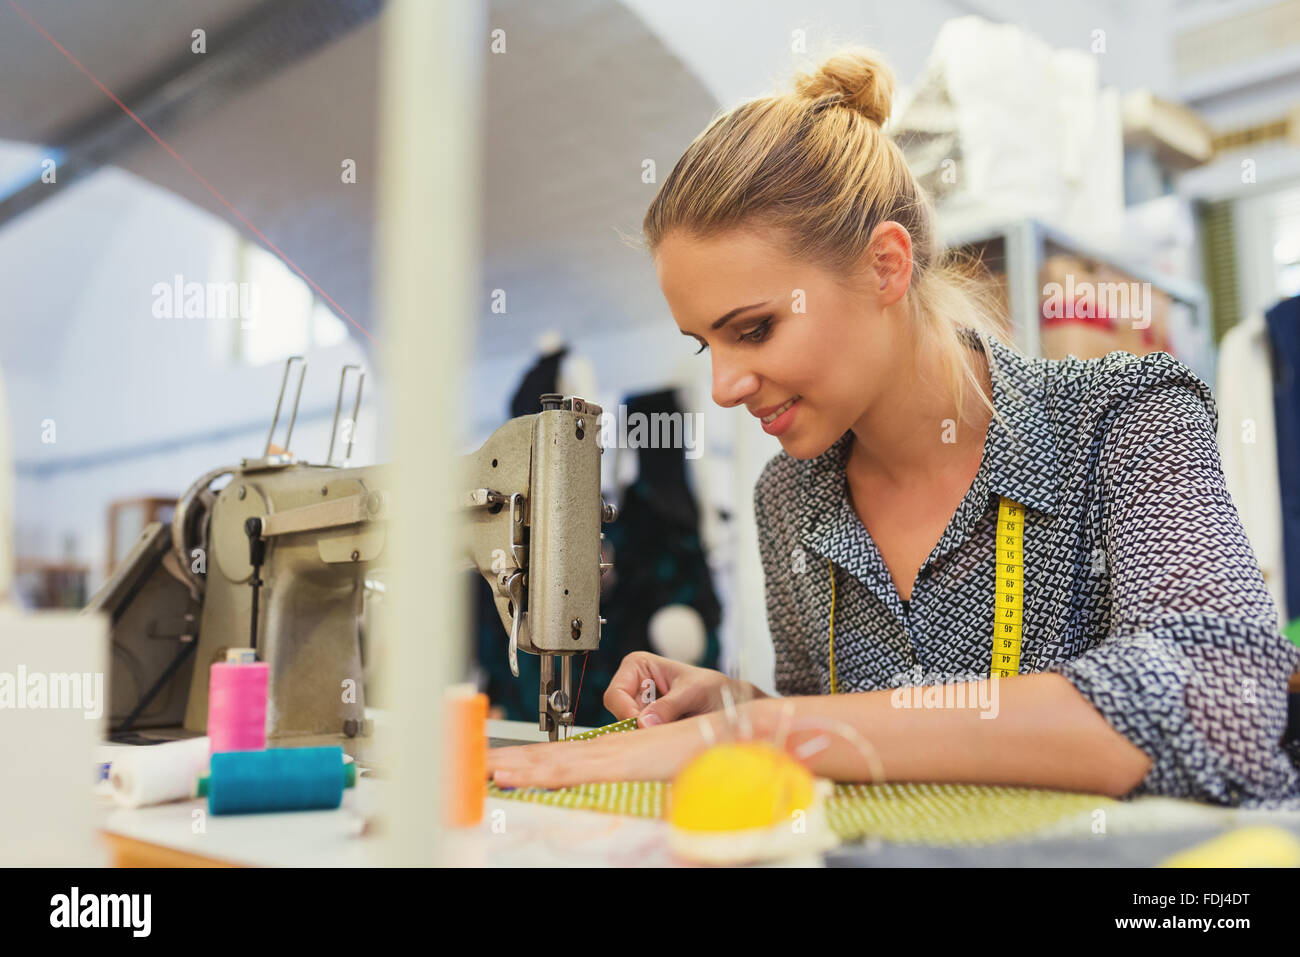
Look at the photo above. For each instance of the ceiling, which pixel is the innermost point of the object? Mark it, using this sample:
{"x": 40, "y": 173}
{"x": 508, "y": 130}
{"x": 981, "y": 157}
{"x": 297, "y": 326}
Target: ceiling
{"x": 567, "y": 126}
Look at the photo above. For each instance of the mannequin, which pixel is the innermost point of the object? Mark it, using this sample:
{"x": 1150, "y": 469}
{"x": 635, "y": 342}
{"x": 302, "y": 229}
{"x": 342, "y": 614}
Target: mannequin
{"x": 577, "y": 376}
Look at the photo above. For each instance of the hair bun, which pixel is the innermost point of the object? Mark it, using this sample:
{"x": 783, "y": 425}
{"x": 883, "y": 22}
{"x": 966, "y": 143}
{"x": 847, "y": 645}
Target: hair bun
{"x": 861, "y": 78}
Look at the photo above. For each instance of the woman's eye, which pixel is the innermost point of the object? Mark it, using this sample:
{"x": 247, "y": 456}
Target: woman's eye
{"x": 758, "y": 333}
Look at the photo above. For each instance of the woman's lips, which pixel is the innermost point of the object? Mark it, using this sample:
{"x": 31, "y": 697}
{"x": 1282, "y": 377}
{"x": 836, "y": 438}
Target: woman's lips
{"x": 771, "y": 416}
{"x": 782, "y": 421}
{"x": 771, "y": 409}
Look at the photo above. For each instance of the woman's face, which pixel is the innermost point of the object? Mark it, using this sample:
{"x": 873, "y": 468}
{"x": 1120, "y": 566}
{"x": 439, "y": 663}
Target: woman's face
{"x": 794, "y": 334}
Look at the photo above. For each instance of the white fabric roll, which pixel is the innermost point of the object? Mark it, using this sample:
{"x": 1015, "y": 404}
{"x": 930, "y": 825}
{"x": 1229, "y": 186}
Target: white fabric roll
{"x": 157, "y": 773}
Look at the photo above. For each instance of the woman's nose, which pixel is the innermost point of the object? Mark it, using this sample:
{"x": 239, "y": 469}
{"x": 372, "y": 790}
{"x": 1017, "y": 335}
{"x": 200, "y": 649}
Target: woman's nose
{"x": 732, "y": 383}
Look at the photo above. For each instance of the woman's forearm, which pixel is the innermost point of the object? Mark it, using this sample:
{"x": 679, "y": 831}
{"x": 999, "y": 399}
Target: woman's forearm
{"x": 1029, "y": 730}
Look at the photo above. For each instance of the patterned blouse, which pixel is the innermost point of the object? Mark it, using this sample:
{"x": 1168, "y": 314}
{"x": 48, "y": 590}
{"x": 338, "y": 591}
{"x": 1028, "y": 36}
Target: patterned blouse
{"x": 1140, "y": 586}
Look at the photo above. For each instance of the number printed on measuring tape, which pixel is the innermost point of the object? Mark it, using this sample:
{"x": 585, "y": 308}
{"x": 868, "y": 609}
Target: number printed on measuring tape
{"x": 1010, "y": 593}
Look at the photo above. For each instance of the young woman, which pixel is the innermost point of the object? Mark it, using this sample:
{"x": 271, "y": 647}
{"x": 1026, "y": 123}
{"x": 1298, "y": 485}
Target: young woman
{"x": 793, "y": 243}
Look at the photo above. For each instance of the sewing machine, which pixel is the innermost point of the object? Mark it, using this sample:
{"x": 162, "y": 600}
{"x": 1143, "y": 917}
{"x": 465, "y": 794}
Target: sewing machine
{"x": 284, "y": 555}
{"x": 534, "y": 516}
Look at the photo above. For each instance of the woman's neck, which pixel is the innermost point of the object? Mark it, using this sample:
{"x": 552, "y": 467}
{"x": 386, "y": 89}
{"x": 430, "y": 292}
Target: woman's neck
{"x": 911, "y": 435}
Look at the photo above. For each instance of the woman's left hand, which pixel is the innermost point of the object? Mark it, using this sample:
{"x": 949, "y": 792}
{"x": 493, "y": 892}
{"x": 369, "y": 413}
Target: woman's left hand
{"x": 649, "y": 754}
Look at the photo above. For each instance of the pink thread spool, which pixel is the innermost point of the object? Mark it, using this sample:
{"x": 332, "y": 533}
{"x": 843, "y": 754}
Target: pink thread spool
{"x": 237, "y": 706}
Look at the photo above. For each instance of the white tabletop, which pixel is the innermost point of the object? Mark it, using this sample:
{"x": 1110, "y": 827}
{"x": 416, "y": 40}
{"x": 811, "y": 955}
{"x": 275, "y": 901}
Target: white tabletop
{"x": 511, "y": 834}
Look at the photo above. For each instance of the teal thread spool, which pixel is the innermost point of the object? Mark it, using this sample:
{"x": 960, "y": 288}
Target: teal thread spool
{"x": 278, "y": 779}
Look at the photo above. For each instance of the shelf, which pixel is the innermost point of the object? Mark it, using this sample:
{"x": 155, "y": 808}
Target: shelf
{"x": 1026, "y": 243}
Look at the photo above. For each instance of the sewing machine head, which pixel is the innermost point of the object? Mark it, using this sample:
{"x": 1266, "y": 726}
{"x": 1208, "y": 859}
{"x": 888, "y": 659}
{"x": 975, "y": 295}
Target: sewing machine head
{"x": 276, "y": 559}
{"x": 534, "y": 512}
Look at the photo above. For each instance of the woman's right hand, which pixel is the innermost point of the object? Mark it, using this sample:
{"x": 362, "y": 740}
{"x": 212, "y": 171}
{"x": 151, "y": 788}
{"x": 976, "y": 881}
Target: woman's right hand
{"x": 655, "y": 690}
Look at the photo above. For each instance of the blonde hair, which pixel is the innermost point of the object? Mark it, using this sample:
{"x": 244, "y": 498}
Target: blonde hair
{"x": 815, "y": 167}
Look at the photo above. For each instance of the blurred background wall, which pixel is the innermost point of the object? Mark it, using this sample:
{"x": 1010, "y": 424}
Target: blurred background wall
{"x": 1184, "y": 123}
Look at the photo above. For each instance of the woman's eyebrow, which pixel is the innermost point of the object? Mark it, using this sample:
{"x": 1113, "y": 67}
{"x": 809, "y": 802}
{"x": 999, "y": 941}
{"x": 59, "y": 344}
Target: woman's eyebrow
{"x": 739, "y": 309}
{"x": 727, "y": 318}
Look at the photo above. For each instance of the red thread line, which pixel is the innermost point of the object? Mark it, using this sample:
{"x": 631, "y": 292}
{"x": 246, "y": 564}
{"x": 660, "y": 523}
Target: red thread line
{"x": 190, "y": 169}
{"x": 580, "y": 677}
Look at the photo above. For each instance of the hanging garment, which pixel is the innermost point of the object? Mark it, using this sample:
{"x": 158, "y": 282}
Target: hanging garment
{"x": 1248, "y": 446}
{"x": 1284, "y": 337}
{"x": 657, "y": 553}
{"x": 537, "y": 381}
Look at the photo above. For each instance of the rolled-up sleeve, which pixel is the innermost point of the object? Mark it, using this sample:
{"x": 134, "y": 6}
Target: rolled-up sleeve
{"x": 794, "y": 671}
{"x": 1193, "y": 669}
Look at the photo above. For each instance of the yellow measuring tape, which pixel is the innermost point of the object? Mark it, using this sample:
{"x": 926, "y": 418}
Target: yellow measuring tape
{"x": 1010, "y": 589}
{"x": 1008, "y": 612}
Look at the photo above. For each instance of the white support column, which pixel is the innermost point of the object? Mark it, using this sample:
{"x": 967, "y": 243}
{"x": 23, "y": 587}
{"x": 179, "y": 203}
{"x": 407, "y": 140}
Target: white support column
{"x": 427, "y": 276}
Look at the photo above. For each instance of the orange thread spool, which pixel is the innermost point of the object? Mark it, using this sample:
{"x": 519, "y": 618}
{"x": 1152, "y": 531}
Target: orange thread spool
{"x": 466, "y": 743}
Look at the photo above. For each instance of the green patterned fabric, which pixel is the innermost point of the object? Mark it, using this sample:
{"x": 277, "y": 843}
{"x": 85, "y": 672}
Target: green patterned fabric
{"x": 954, "y": 813}
{"x": 627, "y": 725}
{"x": 934, "y": 814}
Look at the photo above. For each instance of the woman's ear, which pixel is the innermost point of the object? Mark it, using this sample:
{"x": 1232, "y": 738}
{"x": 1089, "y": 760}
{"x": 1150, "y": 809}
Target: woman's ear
{"x": 889, "y": 252}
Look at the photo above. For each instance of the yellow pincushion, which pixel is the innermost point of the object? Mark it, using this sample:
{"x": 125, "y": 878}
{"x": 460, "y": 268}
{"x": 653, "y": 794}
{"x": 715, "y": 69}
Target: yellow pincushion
{"x": 734, "y": 787}
{"x": 744, "y": 801}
